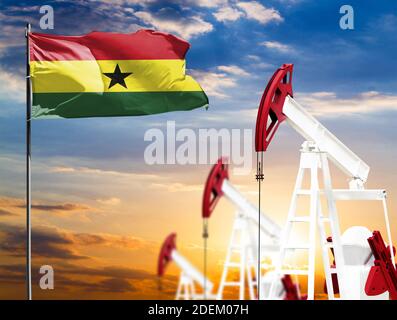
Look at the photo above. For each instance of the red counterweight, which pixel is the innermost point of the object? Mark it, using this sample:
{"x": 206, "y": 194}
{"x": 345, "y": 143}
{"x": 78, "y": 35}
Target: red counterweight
{"x": 383, "y": 275}
{"x": 213, "y": 186}
{"x": 168, "y": 246}
{"x": 279, "y": 86}
{"x": 291, "y": 289}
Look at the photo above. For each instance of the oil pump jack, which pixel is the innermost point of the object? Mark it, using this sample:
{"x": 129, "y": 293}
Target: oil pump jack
{"x": 242, "y": 252}
{"x": 189, "y": 276}
{"x": 278, "y": 105}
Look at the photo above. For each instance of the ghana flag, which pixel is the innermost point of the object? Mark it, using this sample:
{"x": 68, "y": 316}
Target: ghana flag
{"x": 110, "y": 74}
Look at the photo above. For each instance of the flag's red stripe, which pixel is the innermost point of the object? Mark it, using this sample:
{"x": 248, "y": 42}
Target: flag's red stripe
{"x": 141, "y": 45}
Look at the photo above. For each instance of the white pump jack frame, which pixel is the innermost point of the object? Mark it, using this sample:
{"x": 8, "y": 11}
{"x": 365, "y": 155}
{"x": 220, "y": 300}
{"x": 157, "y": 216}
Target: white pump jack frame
{"x": 246, "y": 225}
{"x": 312, "y": 130}
{"x": 268, "y": 226}
{"x": 323, "y": 144}
{"x": 344, "y": 158}
{"x": 189, "y": 275}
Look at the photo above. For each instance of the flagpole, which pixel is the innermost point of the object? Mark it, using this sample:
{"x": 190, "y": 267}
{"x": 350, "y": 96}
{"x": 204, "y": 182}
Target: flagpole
{"x": 28, "y": 171}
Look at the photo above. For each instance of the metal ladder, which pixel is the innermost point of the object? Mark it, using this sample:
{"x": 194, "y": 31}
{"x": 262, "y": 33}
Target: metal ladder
{"x": 312, "y": 160}
{"x": 238, "y": 245}
{"x": 252, "y": 264}
{"x": 186, "y": 289}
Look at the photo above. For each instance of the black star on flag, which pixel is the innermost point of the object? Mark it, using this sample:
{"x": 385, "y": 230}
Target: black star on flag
{"x": 117, "y": 77}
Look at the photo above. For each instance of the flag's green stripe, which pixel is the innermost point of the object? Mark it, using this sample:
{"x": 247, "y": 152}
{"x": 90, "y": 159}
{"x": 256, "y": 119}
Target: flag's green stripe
{"x": 80, "y": 105}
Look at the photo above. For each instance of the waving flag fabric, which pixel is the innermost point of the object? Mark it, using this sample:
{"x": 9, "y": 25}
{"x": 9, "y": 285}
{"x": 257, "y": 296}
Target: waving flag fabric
{"x": 110, "y": 74}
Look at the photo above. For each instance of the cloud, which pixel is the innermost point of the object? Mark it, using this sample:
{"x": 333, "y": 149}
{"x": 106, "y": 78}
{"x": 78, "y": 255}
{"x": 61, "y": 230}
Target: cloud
{"x": 6, "y": 213}
{"x": 105, "y": 271}
{"x": 12, "y": 273}
{"x": 65, "y": 207}
{"x": 63, "y": 169}
{"x": 253, "y": 57}
{"x": 290, "y": 2}
{"x": 206, "y": 3}
{"x": 385, "y": 23}
{"x": 13, "y": 20}
{"x": 328, "y": 104}
{"x": 15, "y": 206}
{"x": 48, "y": 242}
{"x": 213, "y": 83}
{"x": 56, "y": 243}
{"x": 169, "y": 20}
{"x": 115, "y": 279}
{"x": 13, "y": 88}
{"x": 118, "y": 279}
{"x": 178, "y": 187}
{"x": 109, "y": 201}
{"x": 11, "y": 202}
{"x": 322, "y": 94}
{"x": 235, "y": 70}
{"x": 11, "y": 206}
{"x": 263, "y": 65}
{"x": 275, "y": 45}
{"x": 96, "y": 172}
{"x": 104, "y": 239}
{"x": 112, "y": 285}
{"x": 200, "y": 248}
{"x": 256, "y": 62}
{"x": 256, "y": 11}
{"x": 98, "y": 15}
{"x": 227, "y": 14}
{"x": 252, "y": 10}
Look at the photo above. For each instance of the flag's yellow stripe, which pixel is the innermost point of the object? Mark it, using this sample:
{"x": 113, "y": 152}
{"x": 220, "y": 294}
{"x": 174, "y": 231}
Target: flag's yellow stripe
{"x": 87, "y": 76}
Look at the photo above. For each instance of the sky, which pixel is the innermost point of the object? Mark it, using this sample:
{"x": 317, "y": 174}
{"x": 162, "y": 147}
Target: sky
{"x": 100, "y": 213}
